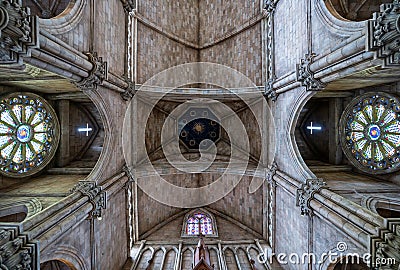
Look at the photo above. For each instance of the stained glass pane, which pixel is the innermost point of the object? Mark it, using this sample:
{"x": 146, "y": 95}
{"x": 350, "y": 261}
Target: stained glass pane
{"x": 37, "y": 118}
{"x": 17, "y": 109}
{"x": 5, "y": 129}
{"x": 357, "y": 126}
{"x": 29, "y": 110}
{"x": 360, "y": 144}
{"x": 28, "y": 133}
{"x": 6, "y": 117}
{"x": 393, "y": 128}
{"x": 368, "y": 110}
{"x": 206, "y": 226}
{"x": 6, "y": 152}
{"x": 192, "y": 227}
{"x": 371, "y": 132}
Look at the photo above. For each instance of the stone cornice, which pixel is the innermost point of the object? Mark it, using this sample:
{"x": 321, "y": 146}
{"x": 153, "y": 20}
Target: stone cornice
{"x": 384, "y": 34}
{"x": 19, "y": 32}
{"x": 16, "y": 249}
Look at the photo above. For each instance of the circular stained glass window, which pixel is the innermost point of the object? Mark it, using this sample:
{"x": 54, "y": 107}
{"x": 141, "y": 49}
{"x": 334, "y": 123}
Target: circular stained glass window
{"x": 29, "y": 134}
{"x": 370, "y": 133}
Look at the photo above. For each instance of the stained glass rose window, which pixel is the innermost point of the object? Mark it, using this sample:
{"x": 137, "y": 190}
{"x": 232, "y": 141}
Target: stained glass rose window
{"x": 29, "y": 134}
{"x": 370, "y": 132}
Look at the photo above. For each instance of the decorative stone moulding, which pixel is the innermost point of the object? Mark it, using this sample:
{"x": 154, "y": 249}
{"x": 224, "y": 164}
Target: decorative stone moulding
{"x": 306, "y": 193}
{"x": 19, "y": 32}
{"x": 386, "y": 247}
{"x": 16, "y": 250}
{"x": 29, "y": 134}
{"x": 384, "y": 34}
{"x": 370, "y": 133}
{"x": 97, "y": 75}
{"x": 97, "y": 196}
{"x": 306, "y": 76}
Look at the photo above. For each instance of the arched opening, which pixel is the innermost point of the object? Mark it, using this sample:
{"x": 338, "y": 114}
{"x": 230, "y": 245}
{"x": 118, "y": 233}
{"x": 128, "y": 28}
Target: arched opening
{"x": 14, "y": 217}
{"x": 350, "y": 137}
{"x": 354, "y": 10}
{"x": 56, "y": 265}
{"x": 47, "y": 9}
{"x": 388, "y": 213}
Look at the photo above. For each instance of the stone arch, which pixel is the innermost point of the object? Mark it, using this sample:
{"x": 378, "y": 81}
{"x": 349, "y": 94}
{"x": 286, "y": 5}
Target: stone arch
{"x": 334, "y": 23}
{"x": 108, "y": 146}
{"x": 57, "y": 265}
{"x": 30, "y": 207}
{"x": 68, "y": 255}
{"x": 230, "y": 258}
{"x": 353, "y": 10}
{"x": 67, "y": 20}
{"x": 297, "y": 163}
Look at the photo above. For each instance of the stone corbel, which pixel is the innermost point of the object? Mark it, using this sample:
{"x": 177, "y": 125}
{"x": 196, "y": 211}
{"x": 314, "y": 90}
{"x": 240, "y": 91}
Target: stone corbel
{"x": 269, "y": 91}
{"x": 271, "y": 172}
{"x": 96, "y": 195}
{"x": 97, "y": 75}
{"x": 19, "y": 32}
{"x": 306, "y": 193}
{"x": 128, "y": 5}
{"x": 306, "y": 76}
{"x": 384, "y": 34}
{"x": 129, "y": 174}
{"x": 16, "y": 250}
{"x": 130, "y": 91}
{"x": 386, "y": 246}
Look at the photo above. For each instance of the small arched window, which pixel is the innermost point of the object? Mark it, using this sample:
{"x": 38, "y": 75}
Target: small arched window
{"x": 199, "y": 222}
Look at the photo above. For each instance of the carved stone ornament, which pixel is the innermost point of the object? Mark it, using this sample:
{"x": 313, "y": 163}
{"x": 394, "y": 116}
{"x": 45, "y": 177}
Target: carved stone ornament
{"x": 384, "y": 34}
{"x": 270, "y": 6}
{"x": 385, "y": 247}
{"x": 130, "y": 91}
{"x": 269, "y": 91}
{"x": 97, "y": 197}
{"x": 128, "y": 5}
{"x": 306, "y": 76}
{"x": 97, "y": 75}
{"x": 306, "y": 193}
{"x": 271, "y": 172}
{"x": 19, "y": 32}
{"x": 129, "y": 174}
{"x": 16, "y": 251}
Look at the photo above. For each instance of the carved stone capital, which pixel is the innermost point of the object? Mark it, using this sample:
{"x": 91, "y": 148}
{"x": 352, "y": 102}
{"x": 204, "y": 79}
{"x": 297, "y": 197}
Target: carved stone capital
{"x": 130, "y": 91}
{"x": 128, "y": 5}
{"x": 269, "y": 6}
{"x": 306, "y": 193}
{"x": 271, "y": 172}
{"x": 97, "y": 197}
{"x": 130, "y": 176}
{"x": 16, "y": 250}
{"x": 306, "y": 76}
{"x": 19, "y": 32}
{"x": 269, "y": 91}
{"x": 97, "y": 75}
{"x": 384, "y": 34}
{"x": 386, "y": 246}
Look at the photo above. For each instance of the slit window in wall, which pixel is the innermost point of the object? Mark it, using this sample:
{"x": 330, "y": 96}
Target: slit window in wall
{"x": 199, "y": 222}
